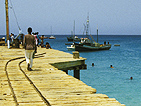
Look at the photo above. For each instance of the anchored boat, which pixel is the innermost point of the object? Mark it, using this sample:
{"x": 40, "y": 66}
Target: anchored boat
{"x": 87, "y": 45}
{"x": 71, "y": 48}
{"x": 90, "y": 45}
{"x": 73, "y": 38}
{"x": 52, "y": 37}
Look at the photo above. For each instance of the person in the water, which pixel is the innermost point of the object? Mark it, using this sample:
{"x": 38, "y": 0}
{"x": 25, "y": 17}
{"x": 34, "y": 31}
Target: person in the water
{"x": 111, "y": 66}
{"x": 131, "y": 78}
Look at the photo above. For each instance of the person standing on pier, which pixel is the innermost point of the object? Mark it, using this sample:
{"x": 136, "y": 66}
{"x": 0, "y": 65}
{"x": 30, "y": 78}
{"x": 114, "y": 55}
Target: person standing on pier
{"x": 30, "y": 45}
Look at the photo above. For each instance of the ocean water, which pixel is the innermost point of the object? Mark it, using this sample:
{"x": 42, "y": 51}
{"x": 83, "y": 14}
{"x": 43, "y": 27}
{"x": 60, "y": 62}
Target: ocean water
{"x": 114, "y": 82}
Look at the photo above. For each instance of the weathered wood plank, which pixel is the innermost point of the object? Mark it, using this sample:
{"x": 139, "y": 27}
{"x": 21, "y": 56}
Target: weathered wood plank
{"x": 55, "y": 85}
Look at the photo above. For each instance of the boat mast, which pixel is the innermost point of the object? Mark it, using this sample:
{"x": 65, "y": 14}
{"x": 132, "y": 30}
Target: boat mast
{"x": 87, "y": 29}
{"x": 51, "y": 30}
{"x": 7, "y": 22}
{"x": 74, "y": 31}
{"x": 97, "y": 33}
{"x": 74, "y": 28}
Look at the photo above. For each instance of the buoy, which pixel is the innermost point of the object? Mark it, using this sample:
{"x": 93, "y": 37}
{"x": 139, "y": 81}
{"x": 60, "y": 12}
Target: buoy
{"x": 117, "y": 45}
{"x": 111, "y": 66}
{"x": 92, "y": 64}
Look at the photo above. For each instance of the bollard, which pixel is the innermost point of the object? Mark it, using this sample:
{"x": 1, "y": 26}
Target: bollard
{"x": 76, "y": 55}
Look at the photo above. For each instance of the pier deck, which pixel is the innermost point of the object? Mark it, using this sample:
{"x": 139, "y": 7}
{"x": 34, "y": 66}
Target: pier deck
{"x": 46, "y": 85}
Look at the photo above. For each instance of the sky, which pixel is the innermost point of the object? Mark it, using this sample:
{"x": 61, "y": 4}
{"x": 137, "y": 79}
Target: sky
{"x": 113, "y": 17}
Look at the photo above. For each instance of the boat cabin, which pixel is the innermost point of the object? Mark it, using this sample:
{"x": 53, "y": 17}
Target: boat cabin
{"x": 85, "y": 40}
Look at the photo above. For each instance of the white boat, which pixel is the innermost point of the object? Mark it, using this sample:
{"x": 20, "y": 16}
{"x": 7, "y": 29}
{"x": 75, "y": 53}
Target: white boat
{"x": 71, "y": 48}
{"x": 52, "y": 37}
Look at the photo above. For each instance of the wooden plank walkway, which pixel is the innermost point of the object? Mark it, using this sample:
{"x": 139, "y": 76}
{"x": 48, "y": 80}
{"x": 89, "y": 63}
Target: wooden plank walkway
{"x": 46, "y": 85}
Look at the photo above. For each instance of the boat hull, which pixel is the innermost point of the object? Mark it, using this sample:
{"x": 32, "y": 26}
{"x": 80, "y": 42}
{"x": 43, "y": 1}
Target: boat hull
{"x": 90, "y": 48}
{"x": 52, "y": 38}
{"x": 70, "y": 39}
{"x": 71, "y": 49}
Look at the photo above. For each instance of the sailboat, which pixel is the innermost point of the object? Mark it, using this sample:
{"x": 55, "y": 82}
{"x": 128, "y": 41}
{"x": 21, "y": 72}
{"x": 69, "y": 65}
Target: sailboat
{"x": 52, "y": 37}
{"x": 90, "y": 45}
{"x": 73, "y": 38}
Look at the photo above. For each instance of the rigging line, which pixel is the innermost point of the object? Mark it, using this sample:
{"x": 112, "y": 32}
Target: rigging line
{"x": 91, "y": 35}
{"x": 90, "y": 29}
{"x": 15, "y": 15}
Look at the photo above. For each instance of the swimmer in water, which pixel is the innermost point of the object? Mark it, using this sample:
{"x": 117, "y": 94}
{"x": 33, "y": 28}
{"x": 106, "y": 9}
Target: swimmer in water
{"x": 131, "y": 78}
{"x": 111, "y": 66}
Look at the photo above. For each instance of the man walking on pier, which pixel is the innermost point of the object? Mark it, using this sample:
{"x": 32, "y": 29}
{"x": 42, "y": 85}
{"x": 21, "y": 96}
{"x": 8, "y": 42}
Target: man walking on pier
{"x": 30, "y": 45}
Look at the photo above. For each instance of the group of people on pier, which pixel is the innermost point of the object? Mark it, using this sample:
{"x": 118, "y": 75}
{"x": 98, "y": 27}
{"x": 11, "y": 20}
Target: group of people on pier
{"x": 39, "y": 40}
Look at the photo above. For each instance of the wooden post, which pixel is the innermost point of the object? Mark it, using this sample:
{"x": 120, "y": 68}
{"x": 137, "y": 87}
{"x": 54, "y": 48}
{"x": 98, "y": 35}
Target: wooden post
{"x": 7, "y": 23}
{"x": 77, "y": 73}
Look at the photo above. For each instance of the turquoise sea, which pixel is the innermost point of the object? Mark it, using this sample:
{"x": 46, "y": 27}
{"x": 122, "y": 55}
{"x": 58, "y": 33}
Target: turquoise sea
{"x": 114, "y": 82}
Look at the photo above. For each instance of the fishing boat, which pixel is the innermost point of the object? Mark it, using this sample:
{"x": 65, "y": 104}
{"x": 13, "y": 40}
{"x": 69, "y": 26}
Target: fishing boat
{"x": 73, "y": 38}
{"x": 90, "y": 45}
{"x": 87, "y": 45}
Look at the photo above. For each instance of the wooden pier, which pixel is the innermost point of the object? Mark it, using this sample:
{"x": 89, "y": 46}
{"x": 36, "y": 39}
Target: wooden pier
{"x": 48, "y": 84}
